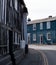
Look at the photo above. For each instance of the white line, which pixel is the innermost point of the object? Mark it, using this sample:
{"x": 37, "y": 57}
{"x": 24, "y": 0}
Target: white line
{"x": 44, "y": 57}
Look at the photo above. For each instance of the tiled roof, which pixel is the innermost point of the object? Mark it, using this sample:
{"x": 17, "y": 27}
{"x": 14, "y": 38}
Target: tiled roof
{"x": 42, "y": 20}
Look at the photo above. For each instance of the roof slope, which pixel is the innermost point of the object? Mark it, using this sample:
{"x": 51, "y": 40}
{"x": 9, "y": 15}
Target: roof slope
{"x": 42, "y": 20}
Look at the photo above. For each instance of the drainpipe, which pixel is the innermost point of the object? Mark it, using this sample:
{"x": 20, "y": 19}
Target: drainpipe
{"x": 11, "y": 47}
{"x": 25, "y": 13}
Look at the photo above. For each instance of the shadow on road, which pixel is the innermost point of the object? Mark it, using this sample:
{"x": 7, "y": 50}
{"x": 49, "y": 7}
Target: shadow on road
{"x": 32, "y": 58}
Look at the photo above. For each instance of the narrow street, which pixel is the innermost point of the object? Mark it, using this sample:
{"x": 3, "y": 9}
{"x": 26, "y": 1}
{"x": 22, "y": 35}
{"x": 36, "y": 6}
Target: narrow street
{"x": 48, "y": 52}
{"x": 32, "y": 58}
{"x": 51, "y": 56}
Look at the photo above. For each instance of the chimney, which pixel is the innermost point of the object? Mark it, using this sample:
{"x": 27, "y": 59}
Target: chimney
{"x": 50, "y": 16}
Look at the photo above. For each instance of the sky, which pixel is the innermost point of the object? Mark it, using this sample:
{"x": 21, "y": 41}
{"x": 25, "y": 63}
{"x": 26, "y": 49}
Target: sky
{"x": 38, "y": 9}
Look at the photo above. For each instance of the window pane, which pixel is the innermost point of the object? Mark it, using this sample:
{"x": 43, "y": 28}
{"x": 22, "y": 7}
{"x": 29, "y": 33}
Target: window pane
{"x": 15, "y": 38}
{"x": 34, "y": 37}
{"x": 48, "y": 36}
{"x": 3, "y": 10}
{"x": 11, "y": 3}
{"x": 48, "y": 25}
{"x": 0, "y": 10}
{"x": 34, "y": 26}
{"x": 16, "y": 4}
{"x": 41, "y": 26}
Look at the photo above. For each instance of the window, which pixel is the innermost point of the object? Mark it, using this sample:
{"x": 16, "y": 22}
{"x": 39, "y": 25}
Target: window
{"x": 48, "y": 36}
{"x": 41, "y": 26}
{"x": 3, "y": 7}
{"x": 34, "y": 37}
{"x": 48, "y": 25}
{"x": 34, "y": 26}
{"x": 0, "y": 10}
{"x": 11, "y": 3}
{"x": 16, "y": 4}
{"x": 28, "y": 35}
{"x": 15, "y": 38}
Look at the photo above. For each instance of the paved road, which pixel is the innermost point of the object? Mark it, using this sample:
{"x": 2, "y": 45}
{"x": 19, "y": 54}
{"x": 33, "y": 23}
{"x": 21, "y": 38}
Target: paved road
{"x": 33, "y": 58}
{"x": 48, "y": 52}
{"x": 51, "y": 56}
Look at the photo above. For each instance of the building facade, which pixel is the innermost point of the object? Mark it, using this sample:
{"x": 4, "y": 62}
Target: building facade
{"x": 11, "y": 20}
{"x": 42, "y": 31}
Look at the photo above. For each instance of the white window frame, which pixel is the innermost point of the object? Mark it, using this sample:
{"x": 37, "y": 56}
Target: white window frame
{"x": 41, "y": 26}
{"x": 48, "y": 25}
{"x": 34, "y": 37}
{"x": 48, "y": 37}
{"x": 34, "y": 26}
{"x": 28, "y": 36}
{"x": 16, "y": 4}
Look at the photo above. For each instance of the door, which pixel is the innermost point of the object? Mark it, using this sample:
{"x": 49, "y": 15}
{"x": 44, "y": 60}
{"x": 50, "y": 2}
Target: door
{"x": 41, "y": 39}
{"x": 29, "y": 40}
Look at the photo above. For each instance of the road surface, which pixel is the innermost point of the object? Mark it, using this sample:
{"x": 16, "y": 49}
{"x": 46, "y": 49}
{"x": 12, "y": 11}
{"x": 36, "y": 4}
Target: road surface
{"x": 48, "y": 52}
{"x": 51, "y": 56}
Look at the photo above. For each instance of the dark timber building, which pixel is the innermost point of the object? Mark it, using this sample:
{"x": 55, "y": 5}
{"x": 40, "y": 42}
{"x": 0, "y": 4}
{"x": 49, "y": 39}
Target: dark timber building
{"x": 11, "y": 20}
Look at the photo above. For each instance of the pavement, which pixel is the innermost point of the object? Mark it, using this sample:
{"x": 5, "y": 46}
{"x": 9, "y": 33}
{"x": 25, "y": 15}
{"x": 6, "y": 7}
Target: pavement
{"x": 6, "y": 60}
{"x": 2, "y": 56}
{"x": 34, "y": 57}
{"x": 42, "y": 47}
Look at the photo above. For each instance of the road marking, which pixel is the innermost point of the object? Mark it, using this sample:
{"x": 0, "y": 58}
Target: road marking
{"x": 44, "y": 57}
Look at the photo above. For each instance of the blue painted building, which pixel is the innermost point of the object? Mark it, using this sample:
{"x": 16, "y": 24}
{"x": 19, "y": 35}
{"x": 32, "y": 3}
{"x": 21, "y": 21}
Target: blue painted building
{"x": 42, "y": 31}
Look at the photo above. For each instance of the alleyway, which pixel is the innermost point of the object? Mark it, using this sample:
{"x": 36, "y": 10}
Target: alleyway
{"x": 33, "y": 58}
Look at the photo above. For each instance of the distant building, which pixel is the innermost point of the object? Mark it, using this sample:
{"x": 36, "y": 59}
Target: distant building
{"x": 42, "y": 31}
{"x": 11, "y": 20}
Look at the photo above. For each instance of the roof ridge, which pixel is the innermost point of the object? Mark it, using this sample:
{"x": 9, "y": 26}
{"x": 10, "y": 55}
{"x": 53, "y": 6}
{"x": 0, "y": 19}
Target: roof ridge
{"x": 42, "y": 20}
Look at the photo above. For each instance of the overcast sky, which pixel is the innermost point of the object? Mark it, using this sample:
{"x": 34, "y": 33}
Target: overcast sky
{"x": 40, "y": 8}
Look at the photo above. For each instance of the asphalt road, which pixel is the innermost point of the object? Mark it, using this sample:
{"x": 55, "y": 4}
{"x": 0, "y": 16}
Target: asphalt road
{"x": 51, "y": 56}
{"x": 32, "y": 58}
{"x": 48, "y": 52}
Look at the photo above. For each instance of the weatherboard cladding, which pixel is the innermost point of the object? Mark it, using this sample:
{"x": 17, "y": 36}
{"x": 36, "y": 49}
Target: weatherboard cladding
{"x": 44, "y": 31}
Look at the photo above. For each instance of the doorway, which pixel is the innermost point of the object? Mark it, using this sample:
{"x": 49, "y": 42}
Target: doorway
{"x": 28, "y": 36}
{"x": 41, "y": 39}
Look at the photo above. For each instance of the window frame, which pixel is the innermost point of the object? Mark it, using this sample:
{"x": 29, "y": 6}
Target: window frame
{"x": 11, "y": 4}
{"x": 16, "y": 4}
{"x": 48, "y": 37}
{"x": 34, "y": 26}
{"x": 28, "y": 35}
{"x": 41, "y": 26}
{"x": 48, "y": 25}
{"x": 34, "y": 36}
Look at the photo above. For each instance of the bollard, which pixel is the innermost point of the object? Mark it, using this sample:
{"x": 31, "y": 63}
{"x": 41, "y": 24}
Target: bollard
{"x": 26, "y": 49}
